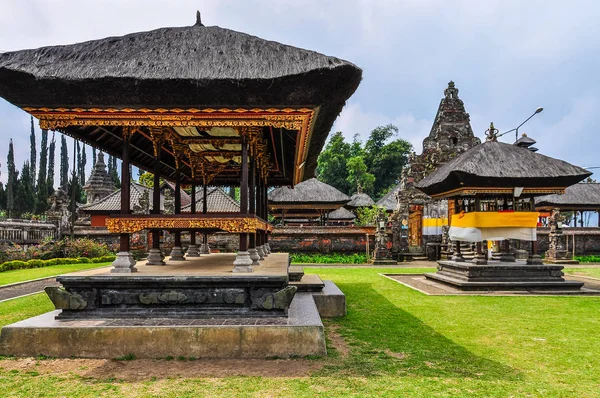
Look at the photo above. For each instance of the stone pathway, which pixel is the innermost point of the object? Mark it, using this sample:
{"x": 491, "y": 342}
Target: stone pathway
{"x": 21, "y": 289}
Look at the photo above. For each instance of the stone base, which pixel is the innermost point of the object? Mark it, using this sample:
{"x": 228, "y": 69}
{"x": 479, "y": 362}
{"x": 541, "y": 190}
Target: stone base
{"x": 295, "y": 273}
{"x": 268, "y": 248}
{"x": 243, "y": 262}
{"x": 123, "y": 264}
{"x": 300, "y": 334}
{"x": 204, "y": 248}
{"x": 155, "y": 257}
{"x": 177, "y": 254}
{"x": 309, "y": 283}
{"x": 331, "y": 301}
{"x": 253, "y": 253}
{"x": 192, "y": 251}
{"x": 502, "y": 276}
{"x": 384, "y": 261}
{"x": 564, "y": 261}
{"x": 261, "y": 252}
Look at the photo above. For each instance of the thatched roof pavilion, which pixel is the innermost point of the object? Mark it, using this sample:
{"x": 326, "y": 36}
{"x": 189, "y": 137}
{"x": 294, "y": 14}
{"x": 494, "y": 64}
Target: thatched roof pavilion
{"x": 341, "y": 215}
{"x": 191, "y": 79}
{"x": 311, "y": 198}
{"x": 496, "y": 167}
{"x": 583, "y": 196}
{"x": 360, "y": 200}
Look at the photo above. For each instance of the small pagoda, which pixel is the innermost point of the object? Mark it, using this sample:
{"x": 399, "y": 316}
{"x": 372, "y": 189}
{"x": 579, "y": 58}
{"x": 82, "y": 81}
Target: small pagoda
{"x": 491, "y": 191}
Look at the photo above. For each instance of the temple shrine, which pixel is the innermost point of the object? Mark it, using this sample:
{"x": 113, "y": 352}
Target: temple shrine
{"x": 491, "y": 191}
{"x": 417, "y": 219}
{"x": 195, "y": 106}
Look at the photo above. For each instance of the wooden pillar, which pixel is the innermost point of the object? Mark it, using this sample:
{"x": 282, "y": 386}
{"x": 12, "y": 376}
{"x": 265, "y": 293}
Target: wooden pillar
{"x": 244, "y": 191}
{"x": 193, "y": 211}
{"x": 156, "y": 193}
{"x": 124, "y": 263}
{"x": 125, "y": 185}
{"x": 177, "y": 252}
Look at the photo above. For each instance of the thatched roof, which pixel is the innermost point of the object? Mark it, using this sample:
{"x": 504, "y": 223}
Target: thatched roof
{"x": 500, "y": 165}
{"x": 310, "y": 191}
{"x": 360, "y": 200}
{"x": 217, "y": 201}
{"x": 194, "y": 66}
{"x": 112, "y": 203}
{"x": 388, "y": 201}
{"x": 578, "y": 196}
{"x": 341, "y": 214}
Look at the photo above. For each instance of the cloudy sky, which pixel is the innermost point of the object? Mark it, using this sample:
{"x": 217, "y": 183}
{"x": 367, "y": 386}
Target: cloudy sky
{"x": 507, "y": 57}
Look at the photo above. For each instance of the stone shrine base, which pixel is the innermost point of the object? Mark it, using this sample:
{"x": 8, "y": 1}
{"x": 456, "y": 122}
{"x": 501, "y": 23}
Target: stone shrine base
{"x": 299, "y": 334}
{"x": 497, "y": 275}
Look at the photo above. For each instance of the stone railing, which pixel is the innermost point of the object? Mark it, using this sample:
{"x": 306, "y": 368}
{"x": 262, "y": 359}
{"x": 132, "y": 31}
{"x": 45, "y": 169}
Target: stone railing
{"x": 26, "y": 231}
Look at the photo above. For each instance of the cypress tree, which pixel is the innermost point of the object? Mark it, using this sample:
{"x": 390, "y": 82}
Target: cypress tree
{"x": 93, "y": 156}
{"x": 83, "y": 163}
{"x": 2, "y": 197}
{"x": 64, "y": 163}
{"x": 33, "y": 153}
{"x": 114, "y": 174}
{"x": 11, "y": 181}
{"x": 50, "y": 178}
{"x": 42, "y": 190}
{"x": 26, "y": 195}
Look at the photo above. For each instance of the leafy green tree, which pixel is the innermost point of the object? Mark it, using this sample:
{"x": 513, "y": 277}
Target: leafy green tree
{"x": 385, "y": 160}
{"x": 2, "y": 197}
{"x": 332, "y": 163}
{"x": 82, "y": 165}
{"x": 50, "y": 177}
{"x": 359, "y": 179}
{"x": 11, "y": 183}
{"x": 93, "y": 156}
{"x": 64, "y": 163}
{"x": 367, "y": 216}
{"x": 32, "y": 154}
{"x": 113, "y": 173}
{"x": 147, "y": 179}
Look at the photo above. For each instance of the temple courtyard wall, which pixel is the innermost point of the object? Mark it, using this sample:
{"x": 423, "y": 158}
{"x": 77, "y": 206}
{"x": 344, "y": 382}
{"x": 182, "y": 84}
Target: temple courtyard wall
{"x": 317, "y": 239}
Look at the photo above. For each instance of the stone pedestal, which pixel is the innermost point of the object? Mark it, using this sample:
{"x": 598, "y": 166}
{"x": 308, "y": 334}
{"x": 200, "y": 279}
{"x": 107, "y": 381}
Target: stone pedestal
{"x": 123, "y": 264}
{"x": 177, "y": 254}
{"x": 260, "y": 250}
{"x": 253, "y": 253}
{"x": 507, "y": 257}
{"x": 204, "y": 248}
{"x": 193, "y": 251}
{"x": 155, "y": 257}
{"x": 535, "y": 260}
{"x": 268, "y": 248}
{"x": 242, "y": 263}
{"x": 503, "y": 276}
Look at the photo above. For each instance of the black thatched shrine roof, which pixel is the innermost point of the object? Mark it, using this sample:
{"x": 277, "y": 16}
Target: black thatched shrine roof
{"x": 576, "y": 197}
{"x": 498, "y": 165}
{"x": 186, "y": 69}
{"x": 360, "y": 200}
{"x": 310, "y": 192}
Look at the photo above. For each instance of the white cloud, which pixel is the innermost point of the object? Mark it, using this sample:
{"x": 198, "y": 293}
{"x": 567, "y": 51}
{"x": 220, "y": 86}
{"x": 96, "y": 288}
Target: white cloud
{"x": 354, "y": 120}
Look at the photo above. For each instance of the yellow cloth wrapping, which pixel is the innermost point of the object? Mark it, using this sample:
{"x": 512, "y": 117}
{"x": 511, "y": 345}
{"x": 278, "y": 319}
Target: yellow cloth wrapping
{"x": 481, "y": 219}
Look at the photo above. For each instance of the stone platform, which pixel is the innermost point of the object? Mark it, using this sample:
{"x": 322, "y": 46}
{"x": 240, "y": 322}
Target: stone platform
{"x": 502, "y": 276}
{"x": 203, "y": 287}
{"x": 299, "y": 334}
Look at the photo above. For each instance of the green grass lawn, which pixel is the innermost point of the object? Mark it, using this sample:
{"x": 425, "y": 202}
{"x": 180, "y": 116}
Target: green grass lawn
{"x": 22, "y": 275}
{"x": 402, "y": 343}
{"x": 593, "y": 272}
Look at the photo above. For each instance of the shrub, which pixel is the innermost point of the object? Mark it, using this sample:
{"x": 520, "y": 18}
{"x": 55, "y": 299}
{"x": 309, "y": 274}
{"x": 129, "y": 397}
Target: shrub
{"x": 83, "y": 260}
{"x": 35, "y": 263}
{"x": 12, "y": 265}
{"x": 331, "y": 258}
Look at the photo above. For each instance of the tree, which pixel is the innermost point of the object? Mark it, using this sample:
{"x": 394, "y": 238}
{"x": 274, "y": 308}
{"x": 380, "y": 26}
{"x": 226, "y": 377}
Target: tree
{"x": 359, "y": 179}
{"x": 33, "y": 153}
{"x": 42, "y": 190}
{"x": 50, "y": 177}
{"x": 331, "y": 164}
{"x": 11, "y": 183}
{"x": 93, "y": 156}
{"x": 2, "y": 197}
{"x": 147, "y": 179}
{"x": 26, "y": 202}
{"x": 64, "y": 163}
{"x": 385, "y": 160}
{"x": 83, "y": 164}
{"x": 112, "y": 171}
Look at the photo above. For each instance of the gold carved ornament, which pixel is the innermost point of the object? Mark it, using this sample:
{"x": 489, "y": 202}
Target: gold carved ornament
{"x": 232, "y": 225}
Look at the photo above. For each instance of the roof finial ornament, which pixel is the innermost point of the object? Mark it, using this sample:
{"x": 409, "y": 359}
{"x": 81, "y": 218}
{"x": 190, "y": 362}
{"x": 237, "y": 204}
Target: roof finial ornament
{"x": 198, "y": 19}
{"x": 451, "y": 92}
{"x": 491, "y": 133}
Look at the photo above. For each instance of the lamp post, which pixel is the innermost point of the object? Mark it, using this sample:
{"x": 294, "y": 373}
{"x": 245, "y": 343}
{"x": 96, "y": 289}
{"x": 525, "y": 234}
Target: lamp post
{"x": 516, "y": 130}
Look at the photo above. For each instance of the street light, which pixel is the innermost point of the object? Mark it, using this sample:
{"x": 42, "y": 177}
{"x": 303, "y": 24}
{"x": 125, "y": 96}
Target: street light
{"x": 516, "y": 130}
